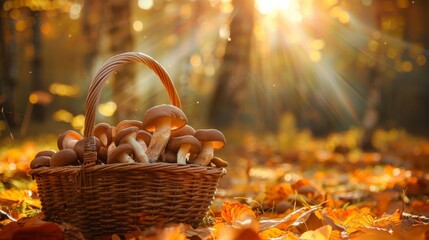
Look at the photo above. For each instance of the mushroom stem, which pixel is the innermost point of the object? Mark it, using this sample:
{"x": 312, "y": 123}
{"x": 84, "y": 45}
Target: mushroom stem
{"x": 183, "y": 153}
{"x": 206, "y": 154}
{"x": 159, "y": 140}
{"x": 139, "y": 152}
{"x": 70, "y": 144}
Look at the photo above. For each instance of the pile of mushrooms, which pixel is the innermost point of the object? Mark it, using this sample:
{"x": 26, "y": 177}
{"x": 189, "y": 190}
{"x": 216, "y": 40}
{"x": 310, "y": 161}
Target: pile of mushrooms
{"x": 163, "y": 136}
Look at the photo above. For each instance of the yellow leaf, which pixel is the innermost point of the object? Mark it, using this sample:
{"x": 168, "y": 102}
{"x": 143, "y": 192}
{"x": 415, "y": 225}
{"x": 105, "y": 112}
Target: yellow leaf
{"x": 322, "y": 233}
{"x": 271, "y": 233}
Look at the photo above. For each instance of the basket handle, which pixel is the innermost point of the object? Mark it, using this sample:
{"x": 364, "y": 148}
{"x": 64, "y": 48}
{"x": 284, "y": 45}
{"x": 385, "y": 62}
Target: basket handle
{"x": 110, "y": 66}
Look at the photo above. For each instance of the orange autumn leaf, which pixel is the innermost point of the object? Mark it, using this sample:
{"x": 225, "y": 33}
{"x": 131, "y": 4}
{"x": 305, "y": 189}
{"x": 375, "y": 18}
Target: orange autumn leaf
{"x": 173, "y": 233}
{"x": 27, "y": 228}
{"x": 277, "y": 193}
{"x": 247, "y": 234}
{"x": 272, "y": 233}
{"x": 225, "y": 231}
{"x": 342, "y": 217}
{"x": 389, "y": 220}
{"x": 275, "y": 233}
{"x": 360, "y": 220}
{"x": 233, "y": 212}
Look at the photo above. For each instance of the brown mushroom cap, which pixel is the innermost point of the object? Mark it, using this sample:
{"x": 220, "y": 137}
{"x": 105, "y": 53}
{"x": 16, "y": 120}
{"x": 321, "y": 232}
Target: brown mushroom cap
{"x": 80, "y": 145}
{"x": 170, "y": 157}
{"x": 125, "y": 132}
{"x": 104, "y": 132}
{"x": 65, "y": 137}
{"x": 128, "y": 135}
{"x": 48, "y": 153}
{"x": 128, "y": 123}
{"x": 175, "y": 143}
{"x": 164, "y": 111}
{"x": 144, "y": 136}
{"x": 214, "y": 136}
{"x": 64, "y": 157}
{"x": 115, "y": 155}
{"x": 185, "y": 130}
{"x": 40, "y": 161}
{"x": 219, "y": 162}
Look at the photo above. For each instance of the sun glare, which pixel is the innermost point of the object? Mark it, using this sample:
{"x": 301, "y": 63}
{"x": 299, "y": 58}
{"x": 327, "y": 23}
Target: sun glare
{"x": 289, "y": 8}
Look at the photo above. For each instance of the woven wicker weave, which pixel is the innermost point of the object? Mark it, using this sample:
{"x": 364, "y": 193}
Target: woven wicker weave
{"x": 119, "y": 198}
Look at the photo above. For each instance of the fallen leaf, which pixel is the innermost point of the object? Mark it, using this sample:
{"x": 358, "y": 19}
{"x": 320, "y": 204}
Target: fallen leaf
{"x": 29, "y": 228}
{"x": 237, "y": 213}
{"x": 294, "y": 218}
{"x": 272, "y": 233}
{"x": 322, "y": 233}
{"x": 277, "y": 193}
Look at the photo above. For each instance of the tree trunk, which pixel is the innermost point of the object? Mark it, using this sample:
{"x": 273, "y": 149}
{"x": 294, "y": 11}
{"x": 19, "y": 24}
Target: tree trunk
{"x": 92, "y": 19}
{"x": 232, "y": 79}
{"x": 36, "y": 66}
{"x": 371, "y": 115}
{"x": 7, "y": 84}
{"x": 121, "y": 40}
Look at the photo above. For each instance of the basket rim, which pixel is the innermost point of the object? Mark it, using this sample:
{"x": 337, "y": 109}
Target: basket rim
{"x": 125, "y": 167}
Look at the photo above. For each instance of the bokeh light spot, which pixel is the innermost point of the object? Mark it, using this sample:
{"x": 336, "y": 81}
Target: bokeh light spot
{"x": 145, "y": 4}
{"x": 224, "y": 32}
{"x": 392, "y": 53}
{"x": 20, "y": 25}
{"x": 75, "y": 10}
{"x": 138, "y": 26}
{"x": 107, "y": 109}
{"x": 62, "y": 115}
{"x": 372, "y": 45}
{"x": 421, "y": 60}
{"x": 407, "y": 66}
{"x": 315, "y": 56}
{"x": 195, "y": 60}
{"x": 78, "y": 121}
{"x": 317, "y": 44}
{"x": 33, "y": 98}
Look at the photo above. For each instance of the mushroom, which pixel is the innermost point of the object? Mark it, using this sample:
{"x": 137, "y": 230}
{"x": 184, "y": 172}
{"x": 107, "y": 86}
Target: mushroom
{"x": 143, "y": 137}
{"x": 219, "y": 162}
{"x": 184, "y": 146}
{"x": 104, "y": 132}
{"x": 64, "y": 157}
{"x": 40, "y": 161}
{"x": 211, "y": 139}
{"x": 48, "y": 153}
{"x": 170, "y": 157}
{"x": 121, "y": 154}
{"x": 128, "y": 135}
{"x": 80, "y": 145}
{"x": 68, "y": 139}
{"x": 128, "y": 123}
{"x": 185, "y": 130}
{"x": 161, "y": 120}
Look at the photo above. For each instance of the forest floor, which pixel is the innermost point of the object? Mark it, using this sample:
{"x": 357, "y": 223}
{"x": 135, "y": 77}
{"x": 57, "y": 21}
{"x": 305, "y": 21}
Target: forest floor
{"x": 277, "y": 186}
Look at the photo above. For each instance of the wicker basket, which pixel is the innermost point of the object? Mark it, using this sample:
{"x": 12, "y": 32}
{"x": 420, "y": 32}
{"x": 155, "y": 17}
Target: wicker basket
{"x": 119, "y": 198}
